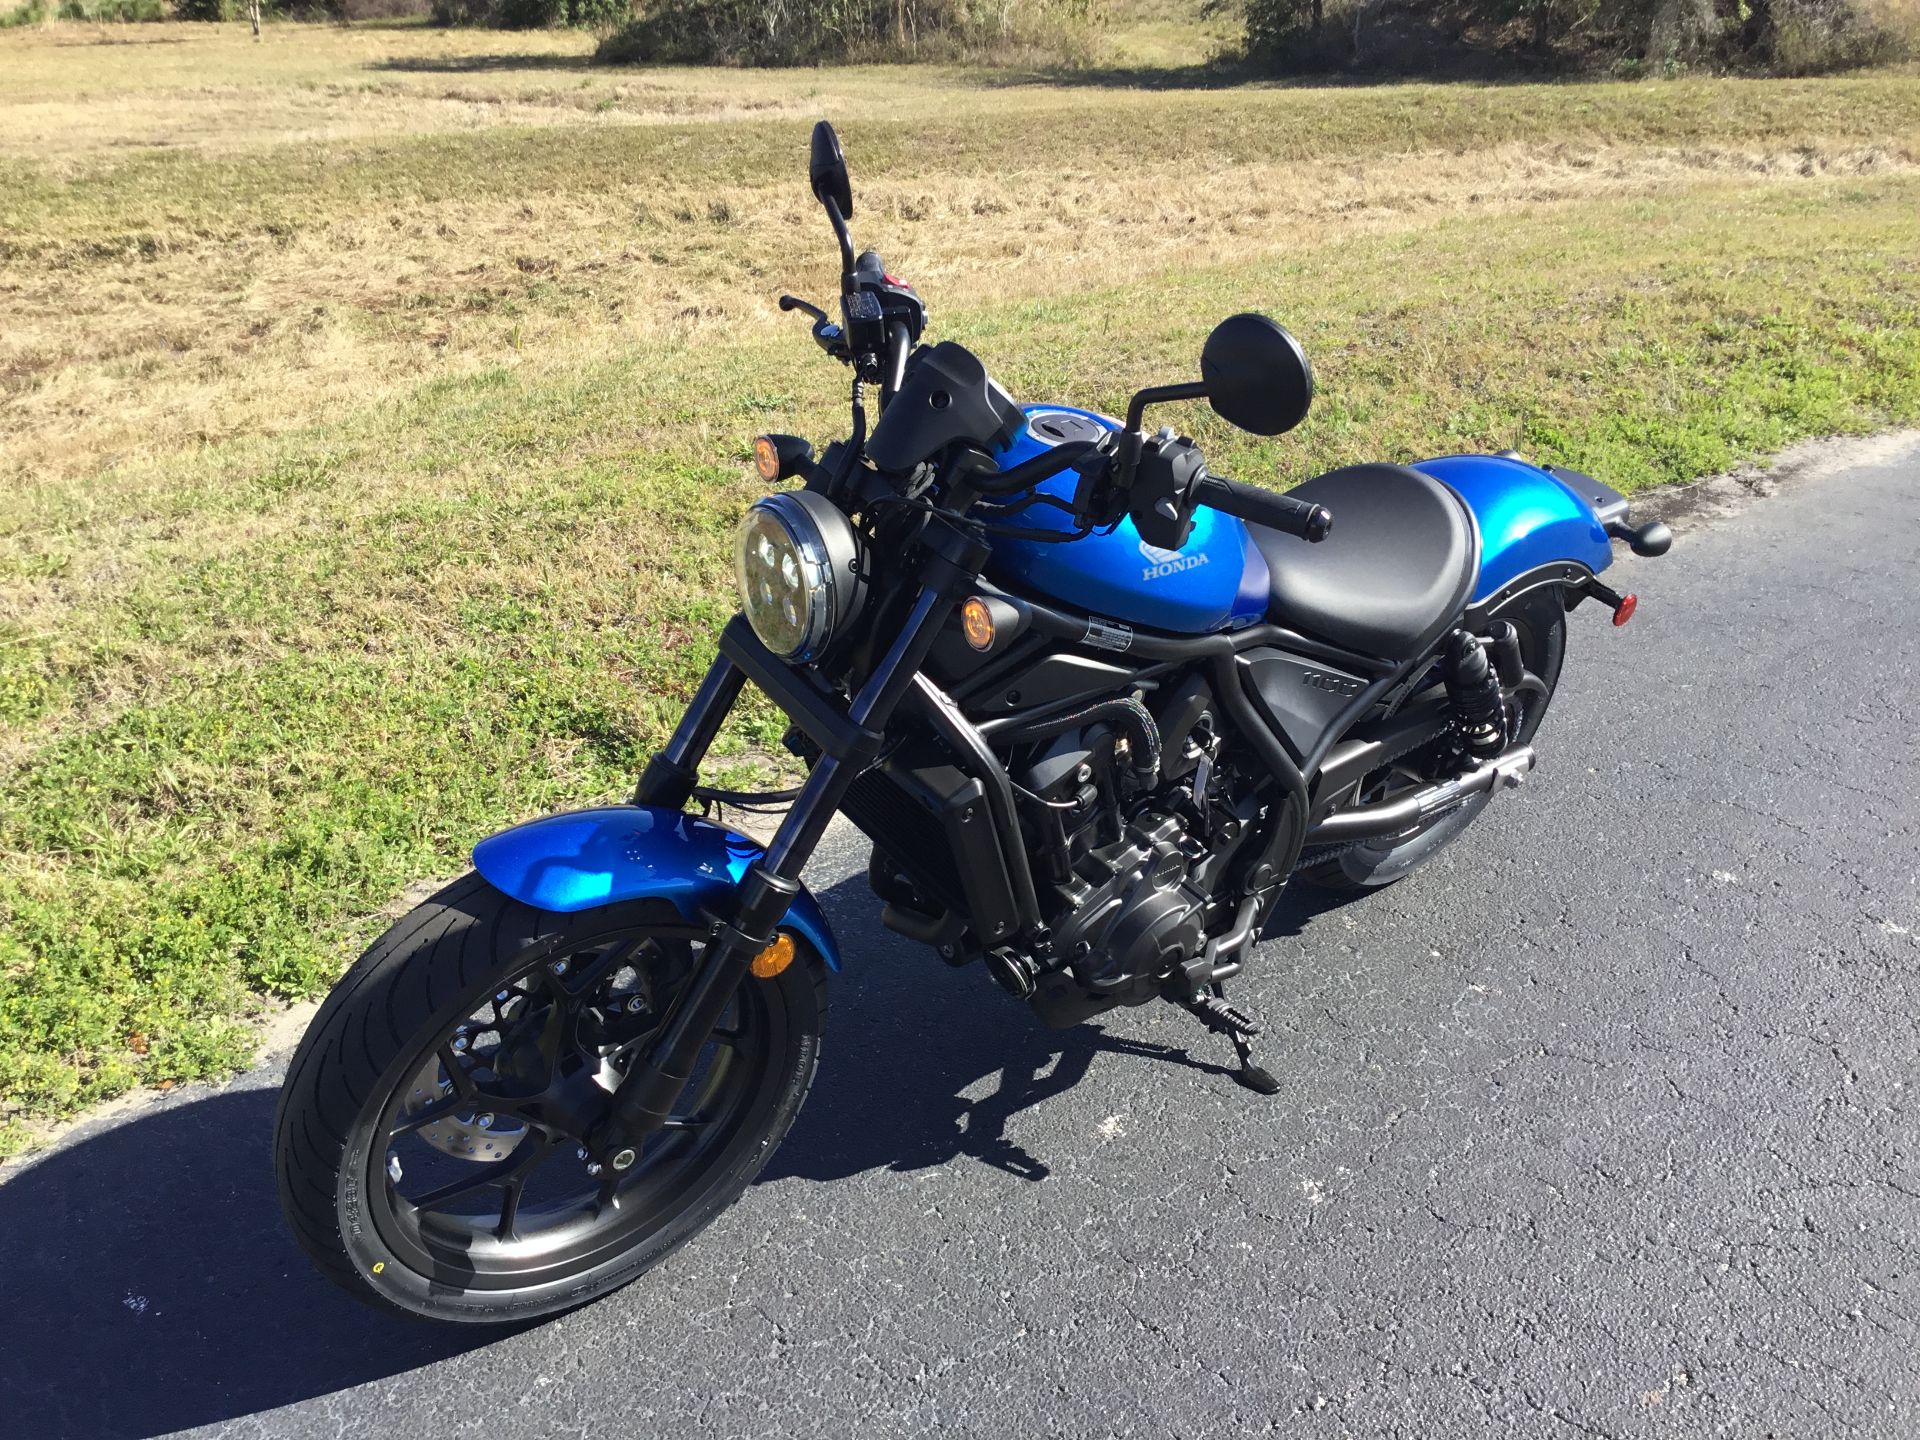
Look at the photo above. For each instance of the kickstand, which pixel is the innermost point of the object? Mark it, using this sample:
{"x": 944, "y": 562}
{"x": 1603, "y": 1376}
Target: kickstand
{"x": 1217, "y": 1015}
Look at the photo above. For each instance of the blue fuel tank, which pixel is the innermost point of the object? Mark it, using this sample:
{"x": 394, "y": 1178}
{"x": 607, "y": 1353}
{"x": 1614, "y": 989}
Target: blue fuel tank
{"x": 1217, "y": 581}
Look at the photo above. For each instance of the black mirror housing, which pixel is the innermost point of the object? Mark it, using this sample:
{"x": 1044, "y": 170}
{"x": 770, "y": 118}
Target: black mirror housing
{"x": 1256, "y": 375}
{"x": 827, "y": 171}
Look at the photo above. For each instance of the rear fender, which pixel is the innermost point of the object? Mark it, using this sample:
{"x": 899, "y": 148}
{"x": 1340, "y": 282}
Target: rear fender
{"x": 589, "y": 858}
{"x": 1529, "y": 518}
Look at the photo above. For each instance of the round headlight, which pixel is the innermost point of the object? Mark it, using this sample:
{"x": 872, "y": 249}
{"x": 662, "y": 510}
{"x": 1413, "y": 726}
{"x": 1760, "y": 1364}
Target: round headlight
{"x": 795, "y": 557}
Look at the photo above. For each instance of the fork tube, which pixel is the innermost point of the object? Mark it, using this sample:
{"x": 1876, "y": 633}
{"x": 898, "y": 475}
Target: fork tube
{"x": 827, "y": 783}
{"x": 647, "y": 1094}
{"x": 669, "y": 777}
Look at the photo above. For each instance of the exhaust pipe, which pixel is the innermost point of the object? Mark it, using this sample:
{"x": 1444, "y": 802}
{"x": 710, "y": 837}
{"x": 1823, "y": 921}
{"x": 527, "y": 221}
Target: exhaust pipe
{"x": 1367, "y": 822}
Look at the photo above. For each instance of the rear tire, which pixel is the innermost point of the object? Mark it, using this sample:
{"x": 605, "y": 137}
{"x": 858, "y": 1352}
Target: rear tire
{"x": 1365, "y": 865}
{"x": 472, "y": 971}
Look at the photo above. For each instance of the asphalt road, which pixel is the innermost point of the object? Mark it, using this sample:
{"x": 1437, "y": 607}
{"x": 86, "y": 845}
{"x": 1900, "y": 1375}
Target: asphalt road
{"x": 1599, "y": 1126}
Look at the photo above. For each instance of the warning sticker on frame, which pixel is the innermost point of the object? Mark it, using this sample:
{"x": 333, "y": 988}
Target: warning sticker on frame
{"x": 1109, "y": 635}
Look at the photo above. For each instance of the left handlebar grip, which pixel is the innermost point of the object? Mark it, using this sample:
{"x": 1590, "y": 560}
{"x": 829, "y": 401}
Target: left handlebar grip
{"x": 1265, "y": 507}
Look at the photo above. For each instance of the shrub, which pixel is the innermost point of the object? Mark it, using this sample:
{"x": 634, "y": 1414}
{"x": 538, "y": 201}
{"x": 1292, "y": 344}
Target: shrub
{"x": 353, "y": 10}
{"x": 112, "y": 11}
{"x": 601, "y": 15}
{"x": 801, "y": 32}
{"x": 221, "y": 10}
{"x": 1813, "y": 37}
{"x": 33, "y": 12}
{"x": 1622, "y": 37}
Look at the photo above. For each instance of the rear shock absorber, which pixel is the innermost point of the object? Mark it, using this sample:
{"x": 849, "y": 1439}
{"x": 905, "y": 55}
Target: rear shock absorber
{"x": 1473, "y": 689}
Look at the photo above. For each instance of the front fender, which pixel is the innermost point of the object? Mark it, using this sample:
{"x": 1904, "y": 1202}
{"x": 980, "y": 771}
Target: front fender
{"x": 588, "y": 858}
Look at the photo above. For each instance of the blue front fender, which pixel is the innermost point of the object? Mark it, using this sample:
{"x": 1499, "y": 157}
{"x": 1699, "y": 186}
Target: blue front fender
{"x": 588, "y": 858}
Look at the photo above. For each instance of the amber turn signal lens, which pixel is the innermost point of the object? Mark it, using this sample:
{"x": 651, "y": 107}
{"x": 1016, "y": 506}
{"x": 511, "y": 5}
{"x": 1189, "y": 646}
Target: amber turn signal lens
{"x": 976, "y": 618}
{"x": 775, "y": 958}
{"x": 766, "y": 458}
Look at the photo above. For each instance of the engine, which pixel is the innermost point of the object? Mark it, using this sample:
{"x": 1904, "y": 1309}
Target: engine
{"x": 1129, "y": 833}
{"x": 1130, "y": 914}
{"x": 1132, "y": 816}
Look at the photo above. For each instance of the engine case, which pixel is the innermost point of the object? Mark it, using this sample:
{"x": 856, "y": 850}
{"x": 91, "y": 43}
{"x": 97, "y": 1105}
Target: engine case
{"x": 1129, "y": 914}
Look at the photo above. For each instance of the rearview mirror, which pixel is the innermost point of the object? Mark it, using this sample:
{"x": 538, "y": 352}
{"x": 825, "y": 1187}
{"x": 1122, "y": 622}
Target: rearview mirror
{"x": 827, "y": 171}
{"x": 1256, "y": 374}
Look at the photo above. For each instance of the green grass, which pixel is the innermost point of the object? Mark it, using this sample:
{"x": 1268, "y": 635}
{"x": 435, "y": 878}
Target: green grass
{"x": 486, "y": 600}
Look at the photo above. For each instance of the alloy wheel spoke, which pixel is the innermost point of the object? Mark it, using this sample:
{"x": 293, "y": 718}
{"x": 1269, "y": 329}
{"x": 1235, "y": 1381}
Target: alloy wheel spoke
{"x": 463, "y": 1086}
{"x": 515, "y": 1187}
{"x": 500, "y": 1172}
{"x": 483, "y": 1176}
{"x": 475, "y": 1101}
{"x": 428, "y": 1114}
{"x": 608, "y": 1198}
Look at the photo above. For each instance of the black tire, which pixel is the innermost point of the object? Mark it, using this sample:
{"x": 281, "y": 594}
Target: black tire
{"x": 1361, "y": 866}
{"x": 394, "y": 1020}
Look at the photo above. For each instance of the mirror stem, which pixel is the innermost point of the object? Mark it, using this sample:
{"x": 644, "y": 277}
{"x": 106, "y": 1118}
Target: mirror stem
{"x": 1158, "y": 394}
{"x": 1130, "y": 436}
{"x": 846, "y": 244}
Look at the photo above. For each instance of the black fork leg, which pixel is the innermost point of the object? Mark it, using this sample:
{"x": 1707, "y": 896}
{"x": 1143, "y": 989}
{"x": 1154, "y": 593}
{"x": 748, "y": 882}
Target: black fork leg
{"x": 669, "y": 777}
{"x": 646, "y": 1096}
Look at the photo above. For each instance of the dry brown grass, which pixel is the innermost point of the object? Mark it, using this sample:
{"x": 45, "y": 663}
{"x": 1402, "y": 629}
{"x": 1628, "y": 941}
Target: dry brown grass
{"x": 107, "y": 358}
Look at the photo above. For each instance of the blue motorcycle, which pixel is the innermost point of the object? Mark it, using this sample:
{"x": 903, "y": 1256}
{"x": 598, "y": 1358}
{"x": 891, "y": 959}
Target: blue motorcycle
{"x": 1094, "y": 704}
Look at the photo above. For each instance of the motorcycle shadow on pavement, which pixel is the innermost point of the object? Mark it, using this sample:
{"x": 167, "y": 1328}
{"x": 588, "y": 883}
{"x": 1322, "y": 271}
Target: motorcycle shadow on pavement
{"x": 909, "y": 1039}
{"x": 147, "y": 1284}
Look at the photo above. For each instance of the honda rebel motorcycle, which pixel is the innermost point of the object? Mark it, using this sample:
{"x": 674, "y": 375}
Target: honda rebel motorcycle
{"x": 1093, "y": 703}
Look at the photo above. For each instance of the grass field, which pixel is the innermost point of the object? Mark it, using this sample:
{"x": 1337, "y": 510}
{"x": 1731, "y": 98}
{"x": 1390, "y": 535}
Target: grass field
{"x": 374, "y": 406}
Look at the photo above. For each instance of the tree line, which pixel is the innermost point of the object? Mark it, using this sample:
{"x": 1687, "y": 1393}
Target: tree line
{"x": 1623, "y": 36}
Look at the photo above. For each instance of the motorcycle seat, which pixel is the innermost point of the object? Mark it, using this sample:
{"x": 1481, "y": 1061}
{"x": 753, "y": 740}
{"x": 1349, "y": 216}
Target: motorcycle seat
{"x": 1393, "y": 572}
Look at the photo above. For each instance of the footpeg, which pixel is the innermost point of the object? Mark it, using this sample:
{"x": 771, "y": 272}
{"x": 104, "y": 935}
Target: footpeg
{"x": 1213, "y": 1011}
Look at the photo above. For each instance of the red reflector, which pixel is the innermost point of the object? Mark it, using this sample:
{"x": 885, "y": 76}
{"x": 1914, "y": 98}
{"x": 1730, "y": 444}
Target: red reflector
{"x": 1623, "y": 612}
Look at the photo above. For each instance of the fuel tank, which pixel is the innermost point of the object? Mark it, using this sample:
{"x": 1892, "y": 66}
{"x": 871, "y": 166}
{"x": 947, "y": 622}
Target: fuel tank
{"x": 1217, "y": 581}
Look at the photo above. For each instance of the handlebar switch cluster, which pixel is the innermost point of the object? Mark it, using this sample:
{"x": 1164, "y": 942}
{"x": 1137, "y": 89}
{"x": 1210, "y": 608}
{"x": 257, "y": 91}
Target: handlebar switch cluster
{"x": 1164, "y": 479}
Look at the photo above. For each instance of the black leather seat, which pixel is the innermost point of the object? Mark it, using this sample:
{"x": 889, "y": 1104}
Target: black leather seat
{"x": 1391, "y": 574}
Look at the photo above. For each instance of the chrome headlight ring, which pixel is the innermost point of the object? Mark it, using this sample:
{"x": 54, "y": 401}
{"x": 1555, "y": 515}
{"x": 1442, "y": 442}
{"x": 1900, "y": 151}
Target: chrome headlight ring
{"x": 796, "y": 558}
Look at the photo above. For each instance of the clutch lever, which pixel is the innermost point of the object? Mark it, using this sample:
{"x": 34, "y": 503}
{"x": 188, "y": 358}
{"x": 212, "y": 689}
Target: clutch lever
{"x": 826, "y": 334}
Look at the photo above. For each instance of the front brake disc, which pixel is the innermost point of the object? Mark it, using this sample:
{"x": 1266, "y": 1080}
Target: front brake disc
{"x": 475, "y": 1135}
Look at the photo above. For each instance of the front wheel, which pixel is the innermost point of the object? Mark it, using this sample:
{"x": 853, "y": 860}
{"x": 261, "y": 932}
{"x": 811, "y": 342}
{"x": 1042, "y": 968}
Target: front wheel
{"x": 430, "y": 1134}
{"x": 1364, "y": 865}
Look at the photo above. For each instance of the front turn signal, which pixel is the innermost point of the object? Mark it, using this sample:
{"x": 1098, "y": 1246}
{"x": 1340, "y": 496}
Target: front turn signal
{"x": 780, "y": 457}
{"x": 774, "y": 959}
{"x": 976, "y": 620}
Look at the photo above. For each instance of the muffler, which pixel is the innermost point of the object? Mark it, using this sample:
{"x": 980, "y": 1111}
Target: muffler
{"x": 1367, "y": 822}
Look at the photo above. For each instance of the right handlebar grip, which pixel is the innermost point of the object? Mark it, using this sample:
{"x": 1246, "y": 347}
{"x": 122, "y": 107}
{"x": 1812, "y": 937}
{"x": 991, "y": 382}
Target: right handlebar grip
{"x": 1265, "y": 507}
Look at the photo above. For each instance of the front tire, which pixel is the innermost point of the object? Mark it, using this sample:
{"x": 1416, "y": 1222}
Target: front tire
{"x": 1364, "y": 865}
{"x": 428, "y": 1138}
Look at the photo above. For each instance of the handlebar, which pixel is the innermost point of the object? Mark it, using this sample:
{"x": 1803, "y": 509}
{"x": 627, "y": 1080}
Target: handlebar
{"x": 1044, "y": 466}
{"x": 1264, "y": 507}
